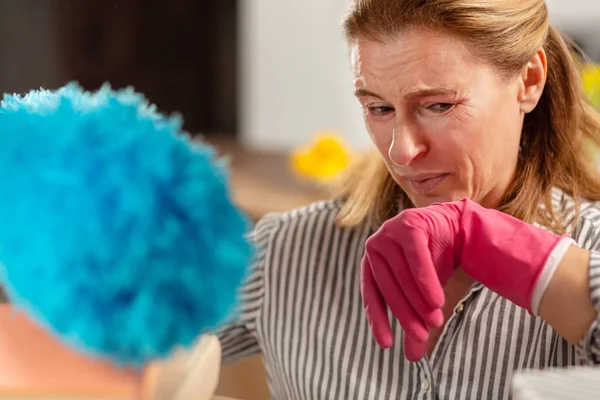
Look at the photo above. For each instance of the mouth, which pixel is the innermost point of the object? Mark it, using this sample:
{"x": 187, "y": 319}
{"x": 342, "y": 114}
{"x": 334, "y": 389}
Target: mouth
{"x": 425, "y": 184}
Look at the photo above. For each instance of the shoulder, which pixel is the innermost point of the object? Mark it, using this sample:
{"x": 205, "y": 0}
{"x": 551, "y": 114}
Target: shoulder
{"x": 317, "y": 217}
{"x": 583, "y": 220}
{"x": 587, "y": 228}
{"x": 306, "y": 236}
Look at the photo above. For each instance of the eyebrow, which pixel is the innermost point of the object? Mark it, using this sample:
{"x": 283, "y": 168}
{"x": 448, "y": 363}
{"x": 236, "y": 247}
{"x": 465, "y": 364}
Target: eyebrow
{"x": 410, "y": 96}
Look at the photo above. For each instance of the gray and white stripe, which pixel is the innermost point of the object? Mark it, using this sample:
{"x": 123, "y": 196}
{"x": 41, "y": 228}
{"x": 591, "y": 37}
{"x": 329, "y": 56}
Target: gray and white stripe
{"x": 303, "y": 311}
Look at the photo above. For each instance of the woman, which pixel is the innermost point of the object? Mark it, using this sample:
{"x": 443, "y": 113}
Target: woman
{"x": 476, "y": 111}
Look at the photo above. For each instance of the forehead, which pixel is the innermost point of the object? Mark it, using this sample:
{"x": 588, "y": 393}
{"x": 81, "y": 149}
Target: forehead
{"x": 413, "y": 58}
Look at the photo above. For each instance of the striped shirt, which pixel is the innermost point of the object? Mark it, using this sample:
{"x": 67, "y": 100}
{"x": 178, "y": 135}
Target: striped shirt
{"x": 302, "y": 310}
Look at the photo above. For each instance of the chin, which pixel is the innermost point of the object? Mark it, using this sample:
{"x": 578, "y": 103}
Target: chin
{"x": 425, "y": 201}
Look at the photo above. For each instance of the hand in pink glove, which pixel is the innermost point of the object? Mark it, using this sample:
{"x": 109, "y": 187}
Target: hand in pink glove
{"x": 410, "y": 258}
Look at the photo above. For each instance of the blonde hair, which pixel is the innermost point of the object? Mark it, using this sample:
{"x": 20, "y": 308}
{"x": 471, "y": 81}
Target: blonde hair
{"x": 507, "y": 34}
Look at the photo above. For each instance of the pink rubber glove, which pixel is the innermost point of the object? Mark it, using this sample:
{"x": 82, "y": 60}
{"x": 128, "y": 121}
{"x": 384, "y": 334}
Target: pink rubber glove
{"x": 409, "y": 260}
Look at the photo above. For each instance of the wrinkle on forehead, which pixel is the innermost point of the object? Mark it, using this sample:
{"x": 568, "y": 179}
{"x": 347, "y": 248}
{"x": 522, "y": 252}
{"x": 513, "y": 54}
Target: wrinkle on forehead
{"x": 417, "y": 59}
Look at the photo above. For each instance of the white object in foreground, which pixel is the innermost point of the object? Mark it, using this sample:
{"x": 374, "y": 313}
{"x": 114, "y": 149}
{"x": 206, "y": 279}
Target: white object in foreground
{"x": 577, "y": 383}
{"x": 190, "y": 375}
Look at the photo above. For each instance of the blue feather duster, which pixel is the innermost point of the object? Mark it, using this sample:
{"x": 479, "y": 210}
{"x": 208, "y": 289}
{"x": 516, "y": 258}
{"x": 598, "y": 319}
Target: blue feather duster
{"x": 117, "y": 232}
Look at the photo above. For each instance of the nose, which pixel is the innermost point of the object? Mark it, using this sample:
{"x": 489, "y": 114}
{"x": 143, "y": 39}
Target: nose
{"x": 405, "y": 146}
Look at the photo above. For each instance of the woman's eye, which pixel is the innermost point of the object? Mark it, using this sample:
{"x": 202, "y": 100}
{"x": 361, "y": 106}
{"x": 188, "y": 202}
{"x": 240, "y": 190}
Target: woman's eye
{"x": 379, "y": 110}
{"x": 440, "y": 107}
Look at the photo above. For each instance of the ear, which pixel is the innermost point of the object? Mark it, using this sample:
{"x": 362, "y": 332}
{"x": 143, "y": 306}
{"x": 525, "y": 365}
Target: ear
{"x": 533, "y": 80}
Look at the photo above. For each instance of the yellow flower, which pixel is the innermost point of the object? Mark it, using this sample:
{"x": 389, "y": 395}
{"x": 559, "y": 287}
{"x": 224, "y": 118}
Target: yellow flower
{"x": 591, "y": 82}
{"x": 323, "y": 159}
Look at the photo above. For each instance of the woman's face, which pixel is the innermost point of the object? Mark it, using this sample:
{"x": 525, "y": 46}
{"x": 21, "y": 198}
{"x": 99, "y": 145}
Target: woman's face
{"x": 447, "y": 125}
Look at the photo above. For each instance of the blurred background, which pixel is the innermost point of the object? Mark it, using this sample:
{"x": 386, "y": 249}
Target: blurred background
{"x": 260, "y": 79}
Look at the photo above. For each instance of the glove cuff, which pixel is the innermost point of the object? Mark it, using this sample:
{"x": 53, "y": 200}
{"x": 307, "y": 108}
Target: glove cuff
{"x": 548, "y": 271}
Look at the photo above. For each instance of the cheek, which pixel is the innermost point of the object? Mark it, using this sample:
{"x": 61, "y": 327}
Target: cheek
{"x": 501, "y": 122}
{"x": 381, "y": 134}
{"x": 496, "y": 138}
{"x": 449, "y": 141}
{"x": 485, "y": 149}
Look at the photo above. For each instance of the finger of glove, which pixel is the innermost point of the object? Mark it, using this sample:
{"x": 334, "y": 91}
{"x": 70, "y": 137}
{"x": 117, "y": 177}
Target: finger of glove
{"x": 418, "y": 257}
{"x": 396, "y": 299}
{"x": 414, "y": 349}
{"x": 375, "y": 307}
{"x": 432, "y": 316}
